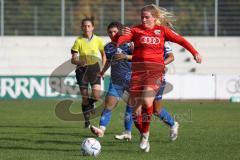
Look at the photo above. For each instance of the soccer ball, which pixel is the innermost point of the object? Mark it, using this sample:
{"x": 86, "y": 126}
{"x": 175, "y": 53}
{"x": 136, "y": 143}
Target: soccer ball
{"x": 90, "y": 147}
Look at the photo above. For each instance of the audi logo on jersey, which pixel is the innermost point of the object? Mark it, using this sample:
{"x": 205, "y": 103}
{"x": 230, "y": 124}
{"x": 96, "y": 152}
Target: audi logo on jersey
{"x": 150, "y": 40}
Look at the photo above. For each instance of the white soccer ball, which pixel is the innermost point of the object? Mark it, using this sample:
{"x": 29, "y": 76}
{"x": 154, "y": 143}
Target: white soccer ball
{"x": 90, "y": 147}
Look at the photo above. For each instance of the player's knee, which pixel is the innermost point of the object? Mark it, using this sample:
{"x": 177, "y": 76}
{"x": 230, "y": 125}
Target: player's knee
{"x": 156, "y": 112}
{"x": 147, "y": 103}
{"x": 96, "y": 96}
{"x": 110, "y": 104}
{"x": 109, "y": 107}
{"x": 157, "y": 106}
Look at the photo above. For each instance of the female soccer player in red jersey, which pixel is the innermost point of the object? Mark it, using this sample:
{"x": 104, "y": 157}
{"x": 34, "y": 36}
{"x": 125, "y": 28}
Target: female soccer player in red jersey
{"x": 148, "y": 63}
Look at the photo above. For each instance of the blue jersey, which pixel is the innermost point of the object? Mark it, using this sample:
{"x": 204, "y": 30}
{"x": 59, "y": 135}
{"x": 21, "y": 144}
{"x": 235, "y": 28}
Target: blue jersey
{"x": 120, "y": 70}
{"x": 167, "y": 49}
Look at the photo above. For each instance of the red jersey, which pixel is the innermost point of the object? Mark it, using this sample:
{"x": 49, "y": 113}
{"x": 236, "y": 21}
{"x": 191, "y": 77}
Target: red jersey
{"x": 149, "y": 43}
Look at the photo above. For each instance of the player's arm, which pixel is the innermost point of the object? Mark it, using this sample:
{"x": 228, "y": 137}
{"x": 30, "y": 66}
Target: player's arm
{"x": 127, "y": 36}
{"x": 125, "y": 31}
{"x": 74, "y": 51}
{"x": 168, "y": 53}
{"x": 105, "y": 68}
{"x": 174, "y": 37}
{"x": 104, "y": 58}
{"x": 121, "y": 56}
{"x": 101, "y": 49}
{"x": 129, "y": 57}
{"x": 105, "y": 64}
{"x": 169, "y": 59}
{"x": 75, "y": 58}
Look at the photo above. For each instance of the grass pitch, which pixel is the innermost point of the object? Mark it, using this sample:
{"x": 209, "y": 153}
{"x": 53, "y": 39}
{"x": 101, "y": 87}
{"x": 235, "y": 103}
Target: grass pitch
{"x": 29, "y": 129}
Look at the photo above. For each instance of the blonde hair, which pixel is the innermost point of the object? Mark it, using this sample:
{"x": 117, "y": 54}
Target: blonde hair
{"x": 163, "y": 17}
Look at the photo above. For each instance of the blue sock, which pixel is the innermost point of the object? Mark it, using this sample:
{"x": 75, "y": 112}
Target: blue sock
{"x": 166, "y": 117}
{"x": 128, "y": 121}
{"x": 105, "y": 117}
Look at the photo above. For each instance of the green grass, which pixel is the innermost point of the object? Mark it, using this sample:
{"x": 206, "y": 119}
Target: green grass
{"x": 31, "y": 130}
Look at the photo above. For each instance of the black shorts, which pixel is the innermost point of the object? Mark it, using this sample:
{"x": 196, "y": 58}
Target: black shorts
{"x": 88, "y": 74}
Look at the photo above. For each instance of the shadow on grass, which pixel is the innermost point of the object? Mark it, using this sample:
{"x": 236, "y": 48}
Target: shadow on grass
{"x": 63, "y": 134}
{"x": 16, "y": 139}
{"x": 41, "y": 141}
{"x": 58, "y": 142}
{"x": 37, "y": 149}
{"x": 118, "y": 142}
{"x": 23, "y": 126}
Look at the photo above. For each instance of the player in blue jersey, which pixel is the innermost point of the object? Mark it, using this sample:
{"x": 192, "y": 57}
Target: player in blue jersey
{"x": 120, "y": 79}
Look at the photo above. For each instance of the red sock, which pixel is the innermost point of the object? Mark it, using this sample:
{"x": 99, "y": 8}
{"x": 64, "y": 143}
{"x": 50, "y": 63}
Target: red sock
{"x": 146, "y": 118}
{"x": 137, "y": 121}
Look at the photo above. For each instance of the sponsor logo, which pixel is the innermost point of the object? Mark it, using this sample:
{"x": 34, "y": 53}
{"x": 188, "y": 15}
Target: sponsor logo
{"x": 157, "y": 32}
{"x": 233, "y": 86}
{"x": 30, "y": 87}
{"x": 149, "y": 40}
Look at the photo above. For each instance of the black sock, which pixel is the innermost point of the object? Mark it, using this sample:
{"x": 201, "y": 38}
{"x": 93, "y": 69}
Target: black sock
{"x": 86, "y": 113}
{"x": 91, "y": 101}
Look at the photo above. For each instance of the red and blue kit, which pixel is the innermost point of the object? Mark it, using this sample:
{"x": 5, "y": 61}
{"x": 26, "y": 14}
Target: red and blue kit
{"x": 148, "y": 55}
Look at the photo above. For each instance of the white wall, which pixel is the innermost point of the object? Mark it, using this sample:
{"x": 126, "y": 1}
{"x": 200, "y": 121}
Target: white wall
{"x": 220, "y": 55}
{"x": 189, "y": 86}
{"x": 216, "y": 78}
{"x": 41, "y": 55}
{"x": 33, "y": 55}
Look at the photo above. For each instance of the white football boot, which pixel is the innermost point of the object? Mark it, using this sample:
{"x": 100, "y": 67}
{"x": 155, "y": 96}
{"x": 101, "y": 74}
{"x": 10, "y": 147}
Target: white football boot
{"x": 126, "y": 135}
{"x": 144, "y": 143}
{"x": 97, "y": 131}
{"x": 174, "y": 131}
{"x": 147, "y": 149}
